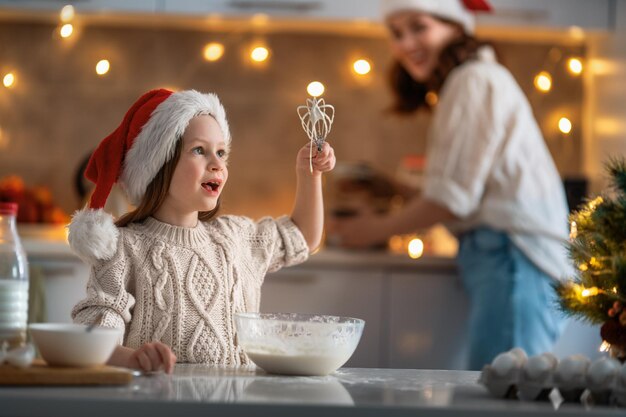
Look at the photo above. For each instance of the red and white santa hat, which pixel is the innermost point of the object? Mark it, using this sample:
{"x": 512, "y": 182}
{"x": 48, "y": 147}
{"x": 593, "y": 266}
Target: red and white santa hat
{"x": 132, "y": 156}
{"x": 459, "y": 11}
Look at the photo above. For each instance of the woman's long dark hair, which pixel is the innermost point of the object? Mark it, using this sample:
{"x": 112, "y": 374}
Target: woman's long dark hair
{"x": 410, "y": 95}
{"x": 157, "y": 191}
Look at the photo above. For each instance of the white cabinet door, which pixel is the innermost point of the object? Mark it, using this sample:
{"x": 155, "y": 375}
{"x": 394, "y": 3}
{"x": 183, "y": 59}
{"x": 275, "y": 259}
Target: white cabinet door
{"x": 560, "y": 14}
{"x": 64, "y": 286}
{"x": 334, "y": 292}
{"x": 428, "y": 313}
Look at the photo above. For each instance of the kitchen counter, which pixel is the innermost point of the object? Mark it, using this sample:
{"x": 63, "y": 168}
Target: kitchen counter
{"x": 198, "y": 390}
{"x": 366, "y": 259}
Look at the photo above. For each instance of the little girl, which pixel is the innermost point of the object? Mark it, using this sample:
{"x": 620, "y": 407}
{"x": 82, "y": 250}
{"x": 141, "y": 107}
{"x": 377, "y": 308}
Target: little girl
{"x": 171, "y": 273}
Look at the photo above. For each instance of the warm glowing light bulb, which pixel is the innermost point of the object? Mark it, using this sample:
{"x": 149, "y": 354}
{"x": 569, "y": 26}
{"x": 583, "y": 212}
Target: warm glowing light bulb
{"x": 543, "y": 81}
{"x": 416, "y": 248}
{"x": 573, "y": 230}
{"x": 315, "y": 89}
{"x": 588, "y": 292}
{"x": 67, "y": 13}
{"x": 213, "y": 51}
{"x": 565, "y": 126}
{"x": 362, "y": 66}
{"x": 604, "y": 347}
{"x": 8, "y": 80}
{"x": 575, "y": 66}
{"x": 66, "y": 30}
{"x": 102, "y": 67}
{"x": 259, "y": 54}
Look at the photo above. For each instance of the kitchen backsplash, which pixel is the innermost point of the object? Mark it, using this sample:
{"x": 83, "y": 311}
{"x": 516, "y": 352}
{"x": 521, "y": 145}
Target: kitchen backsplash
{"x": 59, "y": 108}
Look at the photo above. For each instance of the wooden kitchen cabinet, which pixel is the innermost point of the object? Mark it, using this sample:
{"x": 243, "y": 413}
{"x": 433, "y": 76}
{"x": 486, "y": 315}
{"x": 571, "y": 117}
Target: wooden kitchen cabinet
{"x": 338, "y": 292}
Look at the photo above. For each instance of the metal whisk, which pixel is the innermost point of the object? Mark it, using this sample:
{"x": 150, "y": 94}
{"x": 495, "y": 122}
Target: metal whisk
{"x": 317, "y": 119}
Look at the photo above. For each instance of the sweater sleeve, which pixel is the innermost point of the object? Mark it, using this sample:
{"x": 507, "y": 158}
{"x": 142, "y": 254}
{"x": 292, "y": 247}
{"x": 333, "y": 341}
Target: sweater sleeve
{"x": 107, "y": 303}
{"x": 466, "y": 133}
{"x": 271, "y": 243}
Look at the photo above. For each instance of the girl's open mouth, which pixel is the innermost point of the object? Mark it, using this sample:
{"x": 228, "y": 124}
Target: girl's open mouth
{"x": 211, "y": 186}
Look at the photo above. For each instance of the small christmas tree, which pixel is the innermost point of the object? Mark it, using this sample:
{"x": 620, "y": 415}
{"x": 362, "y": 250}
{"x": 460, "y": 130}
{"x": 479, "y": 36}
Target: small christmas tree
{"x": 598, "y": 248}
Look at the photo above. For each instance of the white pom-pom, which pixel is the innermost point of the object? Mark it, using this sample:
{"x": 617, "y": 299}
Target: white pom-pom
{"x": 93, "y": 235}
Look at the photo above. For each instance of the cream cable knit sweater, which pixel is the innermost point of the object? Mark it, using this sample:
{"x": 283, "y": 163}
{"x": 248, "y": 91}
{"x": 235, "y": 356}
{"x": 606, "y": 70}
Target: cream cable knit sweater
{"x": 182, "y": 286}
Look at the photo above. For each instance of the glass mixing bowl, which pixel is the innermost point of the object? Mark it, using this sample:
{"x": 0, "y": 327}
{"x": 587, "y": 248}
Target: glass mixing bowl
{"x": 298, "y": 344}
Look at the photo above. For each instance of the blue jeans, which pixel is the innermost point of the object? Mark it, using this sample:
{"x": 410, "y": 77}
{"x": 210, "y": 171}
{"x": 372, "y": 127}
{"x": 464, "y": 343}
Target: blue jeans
{"x": 512, "y": 302}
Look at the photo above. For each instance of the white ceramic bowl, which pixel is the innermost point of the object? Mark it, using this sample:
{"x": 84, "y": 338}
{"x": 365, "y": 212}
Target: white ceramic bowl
{"x": 63, "y": 344}
{"x": 298, "y": 344}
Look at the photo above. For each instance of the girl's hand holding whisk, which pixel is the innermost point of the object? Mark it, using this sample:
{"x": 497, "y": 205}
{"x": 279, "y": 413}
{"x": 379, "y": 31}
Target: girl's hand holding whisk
{"x": 321, "y": 161}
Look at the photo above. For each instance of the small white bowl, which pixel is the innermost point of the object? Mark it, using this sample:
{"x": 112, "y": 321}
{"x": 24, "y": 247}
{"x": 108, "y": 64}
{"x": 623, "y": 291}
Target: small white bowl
{"x": 298, "y": 344}
{"x": 62, "y": 344}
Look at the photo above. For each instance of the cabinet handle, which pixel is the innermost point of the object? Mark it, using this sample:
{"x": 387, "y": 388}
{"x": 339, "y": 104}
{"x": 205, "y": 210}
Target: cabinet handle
{"x": 298, "y": 6}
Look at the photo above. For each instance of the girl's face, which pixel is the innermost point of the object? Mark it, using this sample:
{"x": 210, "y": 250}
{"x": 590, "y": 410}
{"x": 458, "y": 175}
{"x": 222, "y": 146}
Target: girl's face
{"x": 200, "y": 174}
{"x": 417, "y": 40}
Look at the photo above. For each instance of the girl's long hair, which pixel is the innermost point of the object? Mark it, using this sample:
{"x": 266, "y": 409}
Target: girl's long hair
{"x": 157, "y": 191}
{"x": 410, "y": 95}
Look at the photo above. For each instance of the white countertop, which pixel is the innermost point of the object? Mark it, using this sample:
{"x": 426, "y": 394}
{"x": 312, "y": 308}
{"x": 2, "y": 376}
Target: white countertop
{"x": 199, "y": 390}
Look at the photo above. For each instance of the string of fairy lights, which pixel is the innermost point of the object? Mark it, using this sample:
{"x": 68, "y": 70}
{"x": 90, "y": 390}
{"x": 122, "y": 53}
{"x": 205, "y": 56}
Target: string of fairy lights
{"x": 543, "y": 84}
{"x": 258, "y": 53}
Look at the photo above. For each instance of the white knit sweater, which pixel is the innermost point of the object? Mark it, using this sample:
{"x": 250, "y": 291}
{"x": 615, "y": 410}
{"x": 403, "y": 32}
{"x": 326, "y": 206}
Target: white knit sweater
{"x": 182, "y": 286}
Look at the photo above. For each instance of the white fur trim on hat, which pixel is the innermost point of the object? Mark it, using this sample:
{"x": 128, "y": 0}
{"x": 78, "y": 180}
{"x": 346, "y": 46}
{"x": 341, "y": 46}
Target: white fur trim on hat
{"x": 448, "y": 9}
{"x": 93, "y": 235}
{"x": 156, "y": 143}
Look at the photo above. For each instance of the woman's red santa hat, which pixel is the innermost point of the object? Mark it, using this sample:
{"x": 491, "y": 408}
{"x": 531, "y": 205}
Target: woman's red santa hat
{"x": 459, "y": 11}
{"x": 132, "y": 156}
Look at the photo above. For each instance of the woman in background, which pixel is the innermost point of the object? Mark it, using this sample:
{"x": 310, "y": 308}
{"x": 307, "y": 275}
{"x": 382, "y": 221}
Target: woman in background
{"x": 489, "y": 177}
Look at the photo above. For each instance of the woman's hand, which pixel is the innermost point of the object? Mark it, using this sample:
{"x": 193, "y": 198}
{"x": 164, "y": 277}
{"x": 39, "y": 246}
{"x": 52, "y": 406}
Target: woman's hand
{"x": 361, "y": 231}
{"x": 153, "y": 356}
{"x": 368, "y": 229}
{"x": 322, "y": 161}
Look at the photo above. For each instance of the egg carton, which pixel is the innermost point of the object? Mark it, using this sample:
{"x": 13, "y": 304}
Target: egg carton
{"x": 575, "y": 378}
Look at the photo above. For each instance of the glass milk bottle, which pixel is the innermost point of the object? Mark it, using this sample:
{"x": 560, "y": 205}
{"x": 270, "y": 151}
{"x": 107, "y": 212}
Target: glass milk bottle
{"x": 13, "y": 280}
